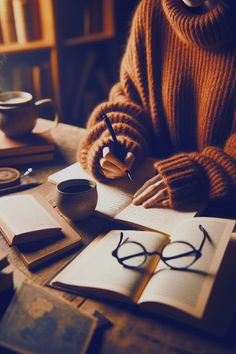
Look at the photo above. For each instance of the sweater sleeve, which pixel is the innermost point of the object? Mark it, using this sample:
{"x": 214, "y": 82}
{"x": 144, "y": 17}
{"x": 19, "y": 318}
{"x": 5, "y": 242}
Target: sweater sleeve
{"x": 126, "y": 107}
{"x": 209, "y": 175}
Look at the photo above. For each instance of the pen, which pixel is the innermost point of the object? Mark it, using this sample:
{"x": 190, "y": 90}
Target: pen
{"x": 119, "y": 151}
{"x": 18, "y": 188}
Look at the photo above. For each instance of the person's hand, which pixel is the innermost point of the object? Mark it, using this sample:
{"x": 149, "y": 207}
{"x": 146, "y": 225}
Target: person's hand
{"x": 152, "y": 193}
{"x": 112, "y": 167}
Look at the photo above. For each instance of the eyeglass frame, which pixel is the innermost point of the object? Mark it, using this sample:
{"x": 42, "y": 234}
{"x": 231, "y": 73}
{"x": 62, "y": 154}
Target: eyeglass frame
{"x": 196, "y": 251}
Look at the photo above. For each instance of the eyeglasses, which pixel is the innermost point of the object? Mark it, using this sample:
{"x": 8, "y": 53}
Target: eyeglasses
{"x": 177, "y": 255}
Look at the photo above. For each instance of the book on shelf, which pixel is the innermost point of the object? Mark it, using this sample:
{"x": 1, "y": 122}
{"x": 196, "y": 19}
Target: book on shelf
{"x": 31, "y": 78}
{"x": 42, "y": 83}
{"x": 93, "y": 17}
{"x": 33, "y": 148}
{"x": 1, "y": 39}
{"x": 36, "y": 222}
{"x": 201, "y": 295}
{"x": 36, "y": 321}
{"x": 85, "y": 74}
{"x": 115, "y": 199}
{"x": 21, "y": 77}
{"x": 16, "y": 74}
{"x": 23, "y": 20}
{"x": 7, "y": 21}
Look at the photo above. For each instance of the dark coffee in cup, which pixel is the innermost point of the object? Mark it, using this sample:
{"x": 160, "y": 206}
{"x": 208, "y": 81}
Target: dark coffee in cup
{"x": 77, "y": 188}
{"x": 77, "y": 198}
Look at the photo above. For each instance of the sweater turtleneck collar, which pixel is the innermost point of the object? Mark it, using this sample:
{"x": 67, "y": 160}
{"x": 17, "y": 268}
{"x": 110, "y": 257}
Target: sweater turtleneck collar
{"x": 210, "y": 29}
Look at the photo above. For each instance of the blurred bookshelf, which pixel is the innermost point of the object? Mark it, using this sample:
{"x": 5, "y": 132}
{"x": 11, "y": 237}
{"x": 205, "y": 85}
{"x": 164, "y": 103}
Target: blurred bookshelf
{"x": 63, "y": 49}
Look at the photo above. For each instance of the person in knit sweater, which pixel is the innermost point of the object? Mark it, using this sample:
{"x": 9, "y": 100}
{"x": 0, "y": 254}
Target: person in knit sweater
{"x": 176, "y": 101}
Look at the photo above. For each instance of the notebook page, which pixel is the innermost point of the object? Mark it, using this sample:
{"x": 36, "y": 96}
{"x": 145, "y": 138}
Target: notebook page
{"x": 161, "y": 219}
{"x": 113, "y": 196}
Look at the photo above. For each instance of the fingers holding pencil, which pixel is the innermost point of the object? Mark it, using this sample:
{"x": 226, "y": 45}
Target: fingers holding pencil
{"x": 119, "y": 160}
{"x": 114, "y": 168}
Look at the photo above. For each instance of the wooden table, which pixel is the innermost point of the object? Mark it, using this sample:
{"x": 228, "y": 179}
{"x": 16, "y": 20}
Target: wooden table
{"x": 131, "y": 332}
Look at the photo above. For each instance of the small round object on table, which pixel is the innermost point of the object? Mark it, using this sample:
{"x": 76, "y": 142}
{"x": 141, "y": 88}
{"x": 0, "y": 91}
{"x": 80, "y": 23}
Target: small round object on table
{"x": 9, "y": 176}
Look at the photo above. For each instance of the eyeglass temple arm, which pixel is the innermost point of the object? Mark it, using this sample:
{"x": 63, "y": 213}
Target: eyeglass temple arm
{"x": 114, "y": 252}
{"x": 205, "y": 235}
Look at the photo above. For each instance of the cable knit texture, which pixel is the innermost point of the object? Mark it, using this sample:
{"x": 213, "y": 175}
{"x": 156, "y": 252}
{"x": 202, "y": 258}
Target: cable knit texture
{"x": 175, "y": 100}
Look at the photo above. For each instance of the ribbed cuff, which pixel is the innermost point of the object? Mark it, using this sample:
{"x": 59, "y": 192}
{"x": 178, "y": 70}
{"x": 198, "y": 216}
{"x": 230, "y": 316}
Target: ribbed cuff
{"x": 184, "y": 179}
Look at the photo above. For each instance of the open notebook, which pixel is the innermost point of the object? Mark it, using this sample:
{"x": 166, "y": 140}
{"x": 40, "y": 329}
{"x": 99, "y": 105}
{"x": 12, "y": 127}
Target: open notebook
{"x": 115, "y": 199}
{"x": 202, "y": 295}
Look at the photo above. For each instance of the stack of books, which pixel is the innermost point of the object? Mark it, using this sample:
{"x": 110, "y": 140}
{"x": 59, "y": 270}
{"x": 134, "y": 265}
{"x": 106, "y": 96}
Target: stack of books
{"x": 36, "y": 231}
{"x": 30, "y": 149}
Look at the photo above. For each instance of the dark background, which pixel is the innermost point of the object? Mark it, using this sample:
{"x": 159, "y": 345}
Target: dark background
{"x": 87, "y": 71}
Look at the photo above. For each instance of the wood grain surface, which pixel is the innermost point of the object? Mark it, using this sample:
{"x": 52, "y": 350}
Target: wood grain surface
{"x": 131, "y": 332}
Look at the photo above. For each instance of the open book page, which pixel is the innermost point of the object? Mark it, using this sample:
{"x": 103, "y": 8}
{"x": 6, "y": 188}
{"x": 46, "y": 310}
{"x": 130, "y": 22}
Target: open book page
{"x": 161, "y": 219}
{"x": 189, "y": 290}
{"x": 115, "y": 198}
{"x": 111, "y": 199}
{"x": 98, "y": 271}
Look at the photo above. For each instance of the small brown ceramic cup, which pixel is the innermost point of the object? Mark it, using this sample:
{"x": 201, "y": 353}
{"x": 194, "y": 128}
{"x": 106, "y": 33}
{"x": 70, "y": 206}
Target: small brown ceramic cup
{"x": 77, "y": 198}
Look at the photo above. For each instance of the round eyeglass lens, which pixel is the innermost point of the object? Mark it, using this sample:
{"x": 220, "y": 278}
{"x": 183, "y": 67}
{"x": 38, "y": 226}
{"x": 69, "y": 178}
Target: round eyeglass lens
{"x": 132, "y": 250}
{"x": 179, "y": 255}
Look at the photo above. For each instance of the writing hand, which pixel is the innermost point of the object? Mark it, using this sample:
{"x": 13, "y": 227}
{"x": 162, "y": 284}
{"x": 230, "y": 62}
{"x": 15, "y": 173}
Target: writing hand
{"x": 112, "y": 167}
{"x": 152, "y": 193}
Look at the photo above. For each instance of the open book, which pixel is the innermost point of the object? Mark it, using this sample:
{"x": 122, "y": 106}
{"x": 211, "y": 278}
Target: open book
{"x": 196, "y": 294}
{"x": 115, "y": 199}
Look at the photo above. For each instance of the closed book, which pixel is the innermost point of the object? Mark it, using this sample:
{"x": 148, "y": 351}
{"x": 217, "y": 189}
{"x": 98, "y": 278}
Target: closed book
{"x": 36, "y": 321}
{"x": 35, "y": 254}
{"x": 23, "y": 219}
{"x": 32, "y": 144}
{"x": 28, "y": 158}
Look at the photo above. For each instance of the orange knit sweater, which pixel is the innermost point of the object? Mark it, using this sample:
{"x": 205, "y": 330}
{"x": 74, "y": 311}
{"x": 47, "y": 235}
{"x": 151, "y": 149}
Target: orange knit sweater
{"x": 176, "y": 100}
